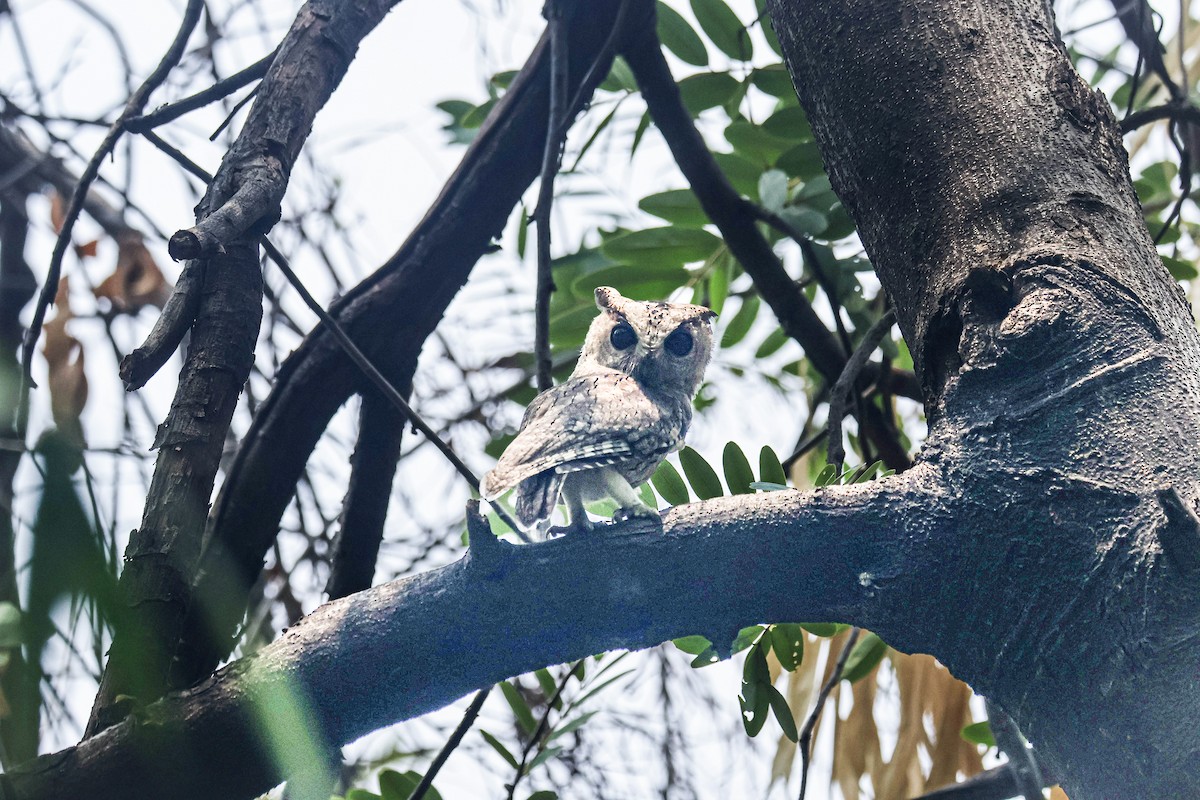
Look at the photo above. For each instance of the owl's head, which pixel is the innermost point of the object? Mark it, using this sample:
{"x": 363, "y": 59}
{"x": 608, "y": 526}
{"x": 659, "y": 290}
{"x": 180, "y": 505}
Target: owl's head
{"x": 665, "y": 346}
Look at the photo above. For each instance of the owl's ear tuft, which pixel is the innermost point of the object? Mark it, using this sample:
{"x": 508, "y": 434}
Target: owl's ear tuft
{"x": 707, "y": 315}
{"x": 608, "y": 298}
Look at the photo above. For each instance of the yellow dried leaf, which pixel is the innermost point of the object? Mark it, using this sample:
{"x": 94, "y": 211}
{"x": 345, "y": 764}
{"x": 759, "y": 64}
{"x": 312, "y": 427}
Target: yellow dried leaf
{"x": 954, "y": 715}
{"x": 1056, "y": 793}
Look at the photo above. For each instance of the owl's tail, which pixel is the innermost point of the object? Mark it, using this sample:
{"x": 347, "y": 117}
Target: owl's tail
{"x": 537, "y": 496}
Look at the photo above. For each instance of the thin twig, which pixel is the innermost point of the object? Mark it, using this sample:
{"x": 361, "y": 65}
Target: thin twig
{"x": 551, "y": 158}
{"x": 804, "y": 741}
{"x": 453, "y": 742}
{"x": 603, "y": 56}
{"x": 813, "y": 259}
{"x": 1178, "y": 110}
{"x": 997, "y": 783}
{"x": 132, "y": 108}
{"x": 1026, "y": 773}
{"x": 383, "y": 384}
{"x": 1185, "y": 180}
{"x": 840, "y": 393}
{"x": 238, "y": 106}
{"x": 217, "y": 91}
{"x": 540, "y": 731}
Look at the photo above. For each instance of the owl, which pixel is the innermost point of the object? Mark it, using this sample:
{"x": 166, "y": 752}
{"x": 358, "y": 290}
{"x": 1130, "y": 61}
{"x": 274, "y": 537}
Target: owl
{"x": 608, "y": 427}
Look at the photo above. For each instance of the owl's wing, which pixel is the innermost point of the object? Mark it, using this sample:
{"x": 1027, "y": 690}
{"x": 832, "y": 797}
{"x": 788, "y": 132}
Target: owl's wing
{"x": 587, "y": 422}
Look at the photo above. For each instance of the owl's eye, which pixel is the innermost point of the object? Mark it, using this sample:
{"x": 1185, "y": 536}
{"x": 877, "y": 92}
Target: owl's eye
{"x": 622, "y": 336}
{"x": 679, "y": 343}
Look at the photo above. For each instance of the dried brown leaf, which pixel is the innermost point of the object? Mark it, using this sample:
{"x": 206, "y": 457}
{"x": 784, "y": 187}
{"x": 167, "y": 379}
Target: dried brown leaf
{"x": 87, "y": 250}
{"x": 58, "y": 211}
{"x": 136, "y": 280}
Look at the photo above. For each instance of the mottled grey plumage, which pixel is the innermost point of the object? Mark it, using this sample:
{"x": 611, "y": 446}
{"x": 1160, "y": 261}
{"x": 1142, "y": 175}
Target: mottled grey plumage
{"x": 608, "y": 427}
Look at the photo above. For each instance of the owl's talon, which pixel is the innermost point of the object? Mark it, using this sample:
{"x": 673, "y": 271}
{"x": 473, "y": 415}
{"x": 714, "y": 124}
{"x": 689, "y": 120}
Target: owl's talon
{"x": 637, "y": 512}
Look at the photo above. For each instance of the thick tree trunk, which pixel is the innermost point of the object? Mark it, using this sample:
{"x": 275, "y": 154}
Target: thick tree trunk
{"x": 992, "y": 192}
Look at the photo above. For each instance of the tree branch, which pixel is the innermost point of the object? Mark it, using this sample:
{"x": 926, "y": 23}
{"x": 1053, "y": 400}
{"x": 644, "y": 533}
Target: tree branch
{"x": 421, "y": 278}
{"x": 343, "y": 666}
{"x": 218, "y": 90}
{"x": 735, "y": 217}
{"x": 372, "y": 471}
{"x": 163, "y": 554}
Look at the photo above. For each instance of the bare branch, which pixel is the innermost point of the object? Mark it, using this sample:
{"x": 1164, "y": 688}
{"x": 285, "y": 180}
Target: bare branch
{"x": 343, "y": 664}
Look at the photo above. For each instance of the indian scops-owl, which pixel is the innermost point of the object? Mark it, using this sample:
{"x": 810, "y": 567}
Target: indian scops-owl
{"x": 608, "y": 427}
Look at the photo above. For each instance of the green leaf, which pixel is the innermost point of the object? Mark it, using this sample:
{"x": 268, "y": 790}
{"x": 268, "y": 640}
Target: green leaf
{"x": 747, "y": 637}
{"x": 764, "y": 22}
{"x": 520, "y": 708}
{"x": 667, "y": 482}
{"x": 1180, "y": 270}
{"x": 642, "y": 127}
{"x": 522, "y": 231}
{"x": 789, "y": 122}
{"x": 395, "y": 785}
{"x": 677, "y": 206}
{"x": 754, "y": 712}
{"x": 543, "y": 757}
{"x": 499, "y": 748}
{"x": 736, "y": 466}
{"x": 740, "y": 324}
{"x": 767, "y": 486}
{"x": 979, "y": 733}
{"x": 802, "y": 161}
{"x": 724, "y": 28}
{"x": 548, "y": 683}
{"x": 543, "y": 794}
{"x": 805, "y": 220}
{"x": 678, "y": 36}
{"x": 574, "y": 725}
{"x": 702, "y": 477}
{"x": 692, "y": 645}
{"x": 773, "y": 190}
{"x": 770, "y": 345}
{"x": 640, "y": 283}
{"x": 660, "y": 248}
{"x": 718, "y": 281}
{"x": 826, "y": 476}
{"x": 787, "y": 640}
{"x": 865, "y": 656}
{"x": 783, "y": 714}
{"x": 769, "y": 468}
{"x": 707, "y": 90}
{"x": 620, "y": 77}
{"x": 825, "y": 629}
{"x": 361, "y": 794}
{"x": 840, "y": 224}
{"x": 754, "y": 143}
{"x": 10, "y": 625}
{"x": 775, "y": 81}
{"x": 741, "y": 173}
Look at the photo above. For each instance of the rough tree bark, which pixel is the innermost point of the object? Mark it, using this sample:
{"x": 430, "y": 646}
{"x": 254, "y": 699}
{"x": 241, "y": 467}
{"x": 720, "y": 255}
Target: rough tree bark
{"x": 1045, "y": 546}
{"x": 992, "y": 192}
